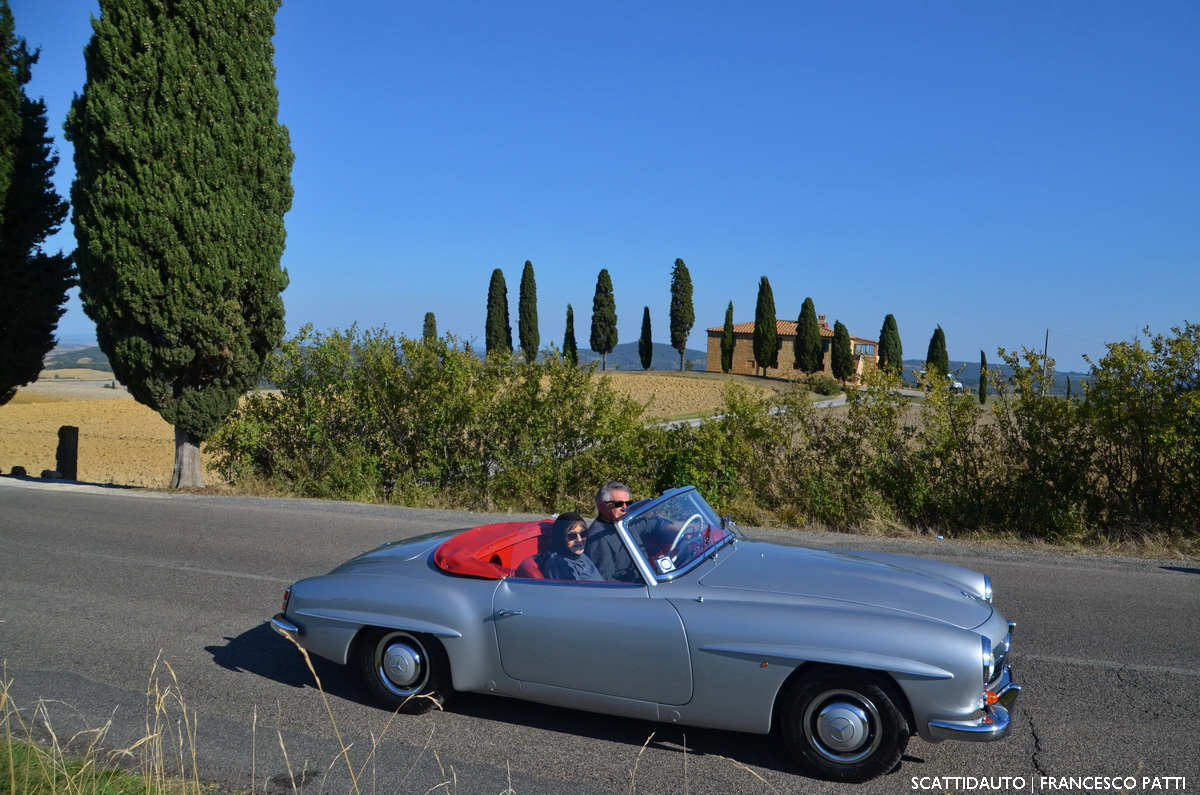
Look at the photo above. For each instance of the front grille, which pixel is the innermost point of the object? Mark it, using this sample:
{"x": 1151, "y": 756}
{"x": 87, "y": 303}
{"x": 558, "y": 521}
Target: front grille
{"x": 1000, "y": 654}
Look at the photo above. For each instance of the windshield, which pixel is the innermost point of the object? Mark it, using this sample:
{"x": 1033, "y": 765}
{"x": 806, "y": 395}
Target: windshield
{"x": 675, "y": 531}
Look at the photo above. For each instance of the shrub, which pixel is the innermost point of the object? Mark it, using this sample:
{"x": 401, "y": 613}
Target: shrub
{"x": 822, "y": 384}
{"x": 368, "y": 415}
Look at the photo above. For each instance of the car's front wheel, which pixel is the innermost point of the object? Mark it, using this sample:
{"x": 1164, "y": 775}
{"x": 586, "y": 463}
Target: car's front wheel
{"x": 844, "y": 725}
{"x": 405, "y": 670}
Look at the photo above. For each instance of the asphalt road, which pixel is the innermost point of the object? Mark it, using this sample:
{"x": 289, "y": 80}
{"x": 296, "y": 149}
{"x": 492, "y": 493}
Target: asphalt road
{"x": 102, "y": 589}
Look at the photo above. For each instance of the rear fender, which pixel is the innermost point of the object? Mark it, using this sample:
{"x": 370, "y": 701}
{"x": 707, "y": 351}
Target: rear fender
{"x": 332, "y": 610}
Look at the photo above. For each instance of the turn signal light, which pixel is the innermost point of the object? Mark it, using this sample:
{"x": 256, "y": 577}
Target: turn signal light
{"x": 287, "y": 594}
{"x": 990, "y": 697}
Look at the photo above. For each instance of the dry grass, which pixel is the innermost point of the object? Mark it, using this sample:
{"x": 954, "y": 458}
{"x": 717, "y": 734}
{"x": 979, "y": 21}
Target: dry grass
{"x": 39, "y": 760}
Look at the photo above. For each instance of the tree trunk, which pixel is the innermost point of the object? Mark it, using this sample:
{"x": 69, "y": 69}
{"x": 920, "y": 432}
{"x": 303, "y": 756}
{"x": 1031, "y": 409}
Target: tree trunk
{"x": 188, "y": 473}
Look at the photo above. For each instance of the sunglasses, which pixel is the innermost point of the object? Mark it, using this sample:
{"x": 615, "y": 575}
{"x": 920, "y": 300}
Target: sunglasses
{"x": 577, "y": 534}
{"x": 618, "y": 503}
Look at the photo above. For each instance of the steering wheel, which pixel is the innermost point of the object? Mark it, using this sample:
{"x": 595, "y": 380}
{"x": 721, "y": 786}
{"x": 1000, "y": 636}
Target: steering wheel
{"x": 682, "y": 532}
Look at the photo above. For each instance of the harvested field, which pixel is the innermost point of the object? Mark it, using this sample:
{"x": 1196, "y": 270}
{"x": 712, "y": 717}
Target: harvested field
{"x": 49, "y": 377}
{"x": 121, "y": 441}
{"x": 673, "y": 394}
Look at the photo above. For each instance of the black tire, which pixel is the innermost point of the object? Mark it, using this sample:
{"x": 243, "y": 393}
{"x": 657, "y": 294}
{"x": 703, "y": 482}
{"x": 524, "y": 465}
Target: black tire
{"x": 844, "y": 725}
{"x": 405, "y": 671}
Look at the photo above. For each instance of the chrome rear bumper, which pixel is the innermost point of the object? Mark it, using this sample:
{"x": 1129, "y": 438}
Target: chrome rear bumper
{"x": 285, "y": 627}
{"x": 994, "y": 724}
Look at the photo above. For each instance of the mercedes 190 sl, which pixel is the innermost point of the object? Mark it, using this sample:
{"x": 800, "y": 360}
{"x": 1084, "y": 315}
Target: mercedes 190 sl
{"x": 846, "y": 654}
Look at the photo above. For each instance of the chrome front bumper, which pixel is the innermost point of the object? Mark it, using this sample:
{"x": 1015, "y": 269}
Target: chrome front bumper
{"x": 994, "y": 724}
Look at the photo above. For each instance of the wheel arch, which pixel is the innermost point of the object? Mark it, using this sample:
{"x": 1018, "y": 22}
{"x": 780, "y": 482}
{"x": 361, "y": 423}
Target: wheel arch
{"x": 405, "y": 671}
{"x": 884, "y": 678}
{"x": 362, "y": 636}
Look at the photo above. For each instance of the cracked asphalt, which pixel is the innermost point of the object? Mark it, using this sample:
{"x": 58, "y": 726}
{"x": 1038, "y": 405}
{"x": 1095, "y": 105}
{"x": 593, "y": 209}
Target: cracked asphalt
{"x": 97, "y": 584}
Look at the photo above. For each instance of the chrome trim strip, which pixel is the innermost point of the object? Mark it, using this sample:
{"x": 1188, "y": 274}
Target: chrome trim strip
{"x": 634, "y": 550}
{"x": 643, "y": 565}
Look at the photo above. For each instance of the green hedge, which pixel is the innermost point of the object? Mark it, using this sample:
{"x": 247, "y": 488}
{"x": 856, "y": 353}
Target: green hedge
{"x": 371, "y": 416}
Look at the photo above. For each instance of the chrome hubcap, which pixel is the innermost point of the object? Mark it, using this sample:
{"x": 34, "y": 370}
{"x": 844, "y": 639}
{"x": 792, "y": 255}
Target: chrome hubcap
{"x": 840, "y": 725}
{"x": 401, "y": 667}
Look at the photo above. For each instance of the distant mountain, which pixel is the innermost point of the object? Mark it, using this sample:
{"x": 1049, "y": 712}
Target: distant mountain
{"x": 70, "y": 358}
{"x": 625, "y": 357}
{"x": 968, "y": 374}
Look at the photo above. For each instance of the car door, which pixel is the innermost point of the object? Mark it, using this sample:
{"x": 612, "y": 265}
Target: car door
{"x": 606, "y": 638}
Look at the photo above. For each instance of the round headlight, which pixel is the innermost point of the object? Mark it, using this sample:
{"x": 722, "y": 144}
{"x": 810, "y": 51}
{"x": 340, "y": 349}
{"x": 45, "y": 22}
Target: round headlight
{"x": 987, "y": 588}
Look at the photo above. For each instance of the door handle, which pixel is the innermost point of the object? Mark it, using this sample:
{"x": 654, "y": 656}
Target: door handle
{"x": 507, "y": 613}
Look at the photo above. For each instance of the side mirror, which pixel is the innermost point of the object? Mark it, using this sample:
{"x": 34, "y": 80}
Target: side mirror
{"x": 727, "y": 523}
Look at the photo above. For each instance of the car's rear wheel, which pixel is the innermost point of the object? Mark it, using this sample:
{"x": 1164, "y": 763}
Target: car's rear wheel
{"x": 405, "y": 670}
{"x": 844, "y": 725}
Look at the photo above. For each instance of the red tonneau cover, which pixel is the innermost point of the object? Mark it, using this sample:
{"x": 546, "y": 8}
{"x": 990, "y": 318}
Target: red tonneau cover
{"x": 491, "y": 551}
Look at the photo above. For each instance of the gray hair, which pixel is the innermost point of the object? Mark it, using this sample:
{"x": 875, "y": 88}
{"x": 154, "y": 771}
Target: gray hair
{"x": 608, "y": 488}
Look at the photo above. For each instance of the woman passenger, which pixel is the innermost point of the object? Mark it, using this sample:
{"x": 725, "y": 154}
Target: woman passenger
{"x": 567, "y": 559}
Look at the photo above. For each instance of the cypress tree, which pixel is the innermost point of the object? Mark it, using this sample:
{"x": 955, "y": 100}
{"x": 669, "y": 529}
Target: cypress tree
{"x": 33, "y": 284}
{"x": 645, "y": 344}
{"x": 429, "y": 331}
{"x": 891, "y": 352}
{"x": 527, "y": 320}
{"x": 604, "y": 318}
{"x": 570, "y": 351}
{"x": 841, "y": 355}
{"x": 12, "y": 50}
{"x": 983, "y": 378}
{"x": 936, "y": 358}
{"x": 766, "y": 332}
{"x": 497, "y": 331}
{"x": 810, "y": 350}
{"x": 727, "y": 341}
{"x": 183, "y": 176}
{"x": 683, "y": 314}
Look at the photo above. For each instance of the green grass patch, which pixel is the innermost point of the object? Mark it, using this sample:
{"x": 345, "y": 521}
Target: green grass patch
{"x": 30, "y": 769}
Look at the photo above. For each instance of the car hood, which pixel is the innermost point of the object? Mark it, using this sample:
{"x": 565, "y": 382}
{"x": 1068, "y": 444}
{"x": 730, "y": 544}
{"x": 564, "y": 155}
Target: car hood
{"x": 875, "y": 582}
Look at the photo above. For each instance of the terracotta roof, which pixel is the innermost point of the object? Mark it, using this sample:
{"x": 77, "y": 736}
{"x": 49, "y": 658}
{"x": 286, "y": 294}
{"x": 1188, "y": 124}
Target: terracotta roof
{"x": 784, "y": 328}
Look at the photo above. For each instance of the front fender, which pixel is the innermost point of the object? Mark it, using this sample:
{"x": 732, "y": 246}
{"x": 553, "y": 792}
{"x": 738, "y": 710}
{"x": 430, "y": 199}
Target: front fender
{"x": 745, "y": 653}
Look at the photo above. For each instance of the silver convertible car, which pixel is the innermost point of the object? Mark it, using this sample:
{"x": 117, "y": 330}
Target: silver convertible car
{"x": 846, "y": 654}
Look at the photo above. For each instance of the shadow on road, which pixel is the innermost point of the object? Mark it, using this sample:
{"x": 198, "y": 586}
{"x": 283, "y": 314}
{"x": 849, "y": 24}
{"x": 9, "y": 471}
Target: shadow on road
{"x": 30, "y": 480}
{"x": 263, "y": 652}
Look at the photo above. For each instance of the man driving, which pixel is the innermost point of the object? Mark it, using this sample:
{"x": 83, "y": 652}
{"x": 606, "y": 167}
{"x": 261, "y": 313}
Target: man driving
{"x": 604, "y": 546}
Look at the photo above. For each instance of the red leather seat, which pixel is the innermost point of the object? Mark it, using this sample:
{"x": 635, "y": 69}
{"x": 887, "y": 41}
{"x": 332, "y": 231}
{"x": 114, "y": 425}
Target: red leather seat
{"x": 530, "y": 569}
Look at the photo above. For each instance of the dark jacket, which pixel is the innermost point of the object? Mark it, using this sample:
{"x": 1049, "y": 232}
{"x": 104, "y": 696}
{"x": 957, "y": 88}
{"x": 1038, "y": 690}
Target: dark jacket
{"x": 607, "y": 551}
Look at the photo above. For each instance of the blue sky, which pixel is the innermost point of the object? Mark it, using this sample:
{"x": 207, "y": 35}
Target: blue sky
{"x": 999, "y": 169}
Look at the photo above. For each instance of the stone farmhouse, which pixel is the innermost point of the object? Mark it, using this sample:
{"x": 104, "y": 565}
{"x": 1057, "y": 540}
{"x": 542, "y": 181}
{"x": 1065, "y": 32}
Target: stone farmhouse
{"x": 865, "y": 351}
